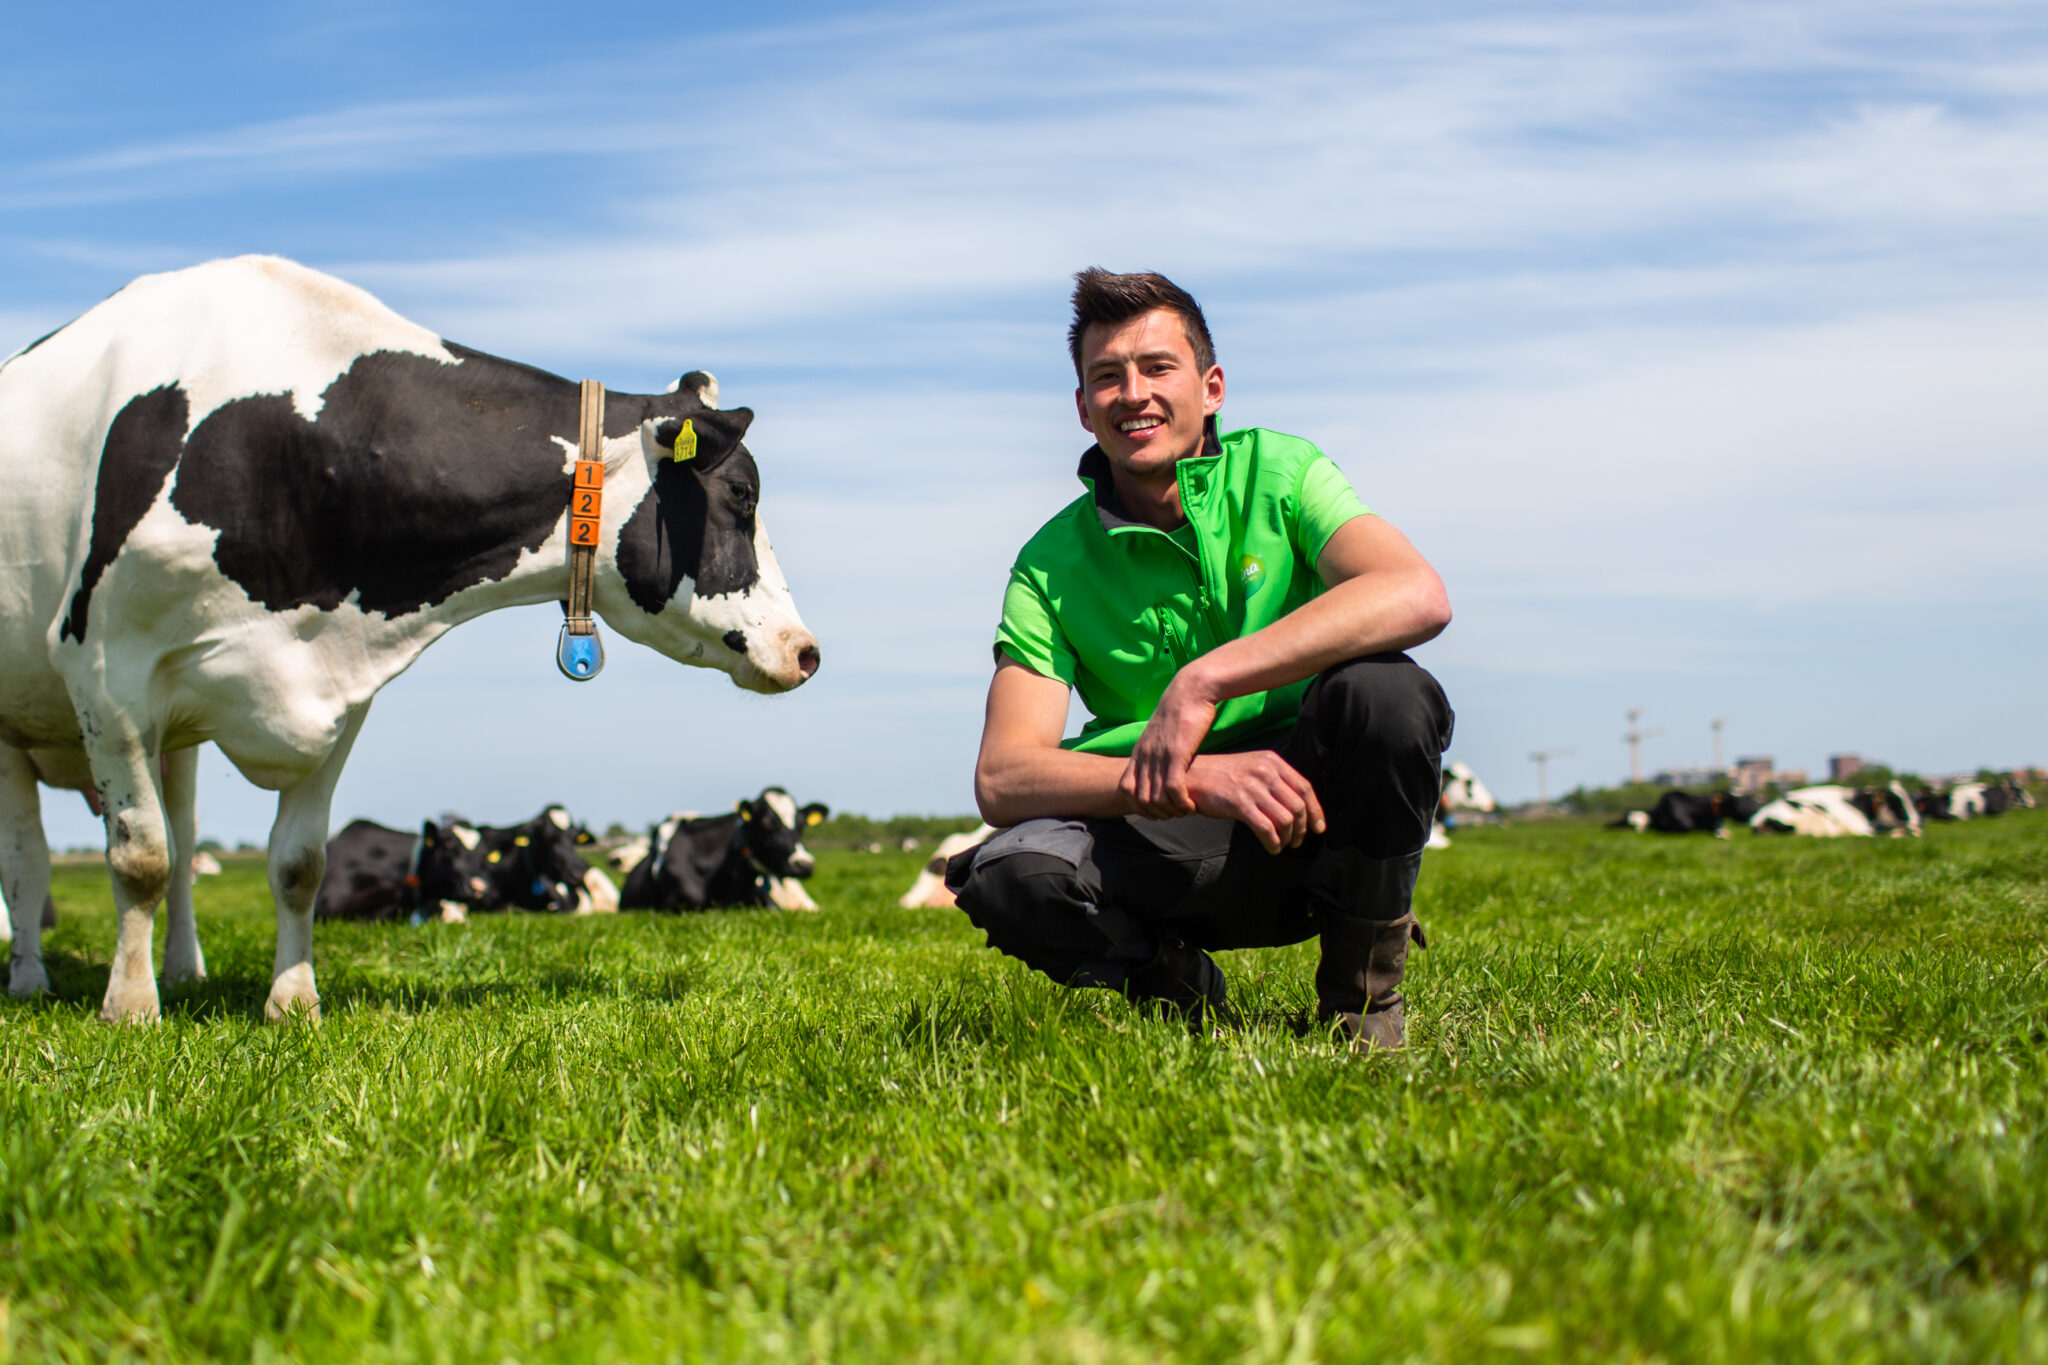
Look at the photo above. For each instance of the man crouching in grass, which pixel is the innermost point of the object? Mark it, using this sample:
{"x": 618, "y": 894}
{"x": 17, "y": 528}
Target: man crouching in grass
{"x": 1261, "y": 763}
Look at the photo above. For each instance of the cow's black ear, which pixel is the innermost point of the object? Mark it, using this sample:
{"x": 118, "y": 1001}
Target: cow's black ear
{"x": 429, "y": 832}
{"x": 815, "y": 813}
{"x": 704, "y": 438}
{"x": 584, "y": 836}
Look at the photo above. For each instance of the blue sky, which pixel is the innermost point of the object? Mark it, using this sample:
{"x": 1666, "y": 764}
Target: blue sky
{"x": 1699, "y": 345}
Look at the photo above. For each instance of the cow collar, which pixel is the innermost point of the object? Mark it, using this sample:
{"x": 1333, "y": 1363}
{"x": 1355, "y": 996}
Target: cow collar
{"x": 579, "y": 652}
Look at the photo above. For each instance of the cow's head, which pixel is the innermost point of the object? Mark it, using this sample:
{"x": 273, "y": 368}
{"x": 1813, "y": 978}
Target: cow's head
{"x": 772, "y": 832}
{"x": 1733, "y": 806}
{"x": 541, "y": 865}
{"x": 697, "y": 579}
{"x": 451, "y": 862}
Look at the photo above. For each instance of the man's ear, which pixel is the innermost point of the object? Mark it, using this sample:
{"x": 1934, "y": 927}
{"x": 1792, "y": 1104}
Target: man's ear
{"x": 704, "y": 437}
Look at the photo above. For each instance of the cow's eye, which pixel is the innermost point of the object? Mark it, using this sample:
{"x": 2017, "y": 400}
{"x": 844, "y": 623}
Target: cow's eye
{"x": 743, "y": 499}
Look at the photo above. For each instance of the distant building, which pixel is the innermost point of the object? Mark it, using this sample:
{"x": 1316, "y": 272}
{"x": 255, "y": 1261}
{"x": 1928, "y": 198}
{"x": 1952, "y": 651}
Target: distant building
{"x": 1842, "y": 767}
{"x": 1751, "y": 774}
{"x": 1690, "y": 777}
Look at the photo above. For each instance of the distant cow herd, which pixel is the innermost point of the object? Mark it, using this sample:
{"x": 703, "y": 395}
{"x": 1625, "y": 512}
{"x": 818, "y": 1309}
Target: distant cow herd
{"x": 450, "y": 869}
{"x": 1829, "y": 811}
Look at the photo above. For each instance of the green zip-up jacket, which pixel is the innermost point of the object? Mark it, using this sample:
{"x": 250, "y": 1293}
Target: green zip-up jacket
{"x": 1114, "y": 608}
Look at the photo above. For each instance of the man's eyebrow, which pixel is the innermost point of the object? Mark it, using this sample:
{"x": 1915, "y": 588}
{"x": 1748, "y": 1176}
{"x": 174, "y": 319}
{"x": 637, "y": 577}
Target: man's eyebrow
{"x": 1111, "y": 358}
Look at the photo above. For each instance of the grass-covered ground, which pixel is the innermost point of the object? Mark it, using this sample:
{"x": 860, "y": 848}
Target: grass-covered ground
{"x": 1667, "y": 1099}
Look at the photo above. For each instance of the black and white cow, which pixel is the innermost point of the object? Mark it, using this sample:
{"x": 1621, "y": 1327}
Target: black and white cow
{"x": 378, "y": 873}
{"x": 1974, "y": 800}
{"x": 536, "y": 866}
{"x": 243, "y": 497}
{"x": 753, "y": 856}
{"x": 1678, "y": 812}
{"x": 1890, "y": 809}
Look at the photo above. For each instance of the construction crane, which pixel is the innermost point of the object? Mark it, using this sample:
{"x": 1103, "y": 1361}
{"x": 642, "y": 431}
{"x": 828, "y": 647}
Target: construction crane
{"x": 1634, "y": 739}
{"x": 1541, "y": 758}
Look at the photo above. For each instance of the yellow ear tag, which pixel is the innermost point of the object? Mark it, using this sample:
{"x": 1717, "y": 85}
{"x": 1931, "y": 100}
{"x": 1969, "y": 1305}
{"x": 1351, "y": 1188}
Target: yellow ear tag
{"x": 686, "y": 442}
{"x": 522, "y": 841}
{"x": 746, "y": 814}
{"x": 493, "y": 856}
{"x": 814, "y": 819}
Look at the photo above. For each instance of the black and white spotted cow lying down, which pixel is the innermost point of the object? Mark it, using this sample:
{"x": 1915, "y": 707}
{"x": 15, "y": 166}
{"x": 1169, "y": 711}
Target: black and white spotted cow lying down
{"x": 378, "y": 873}
{"x": 242, "y": 498}
{"x": 1973, "y": 800}
{"x": 753, "y": 856}
{"x": 535, "y": 866}
{"x": 1680, "y": 812}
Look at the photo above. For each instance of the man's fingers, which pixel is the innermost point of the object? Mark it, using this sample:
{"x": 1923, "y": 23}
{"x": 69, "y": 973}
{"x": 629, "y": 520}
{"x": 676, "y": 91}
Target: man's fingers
{"x": 1262, "y": 826}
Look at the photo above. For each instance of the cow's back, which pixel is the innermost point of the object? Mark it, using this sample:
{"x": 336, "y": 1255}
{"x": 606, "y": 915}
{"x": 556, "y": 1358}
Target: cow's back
{"x": 93, "y": 420}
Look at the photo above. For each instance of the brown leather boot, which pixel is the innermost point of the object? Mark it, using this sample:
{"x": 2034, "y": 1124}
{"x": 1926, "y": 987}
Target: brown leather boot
{"x": 1359, "y": 979}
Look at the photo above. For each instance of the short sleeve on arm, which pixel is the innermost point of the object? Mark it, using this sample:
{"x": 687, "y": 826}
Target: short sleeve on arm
{"x": 1326, "y": 502}
{"x": 1030, "y": 635}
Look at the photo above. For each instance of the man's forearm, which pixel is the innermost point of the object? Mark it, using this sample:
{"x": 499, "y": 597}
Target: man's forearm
{"x": 1029, "y": 781}
{"x": 1366, "y": 615}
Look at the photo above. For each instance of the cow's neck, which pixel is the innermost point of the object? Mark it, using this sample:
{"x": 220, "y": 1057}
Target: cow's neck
{"x": 477, "y": 467}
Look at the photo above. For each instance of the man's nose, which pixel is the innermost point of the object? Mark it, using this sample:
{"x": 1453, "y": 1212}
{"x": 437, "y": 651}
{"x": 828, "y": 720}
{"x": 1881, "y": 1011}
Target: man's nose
{"x": 1136, "y": 389}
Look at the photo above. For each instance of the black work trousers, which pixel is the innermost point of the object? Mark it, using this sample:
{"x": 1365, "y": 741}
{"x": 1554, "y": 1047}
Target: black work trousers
{"x": 1086, "y": 901}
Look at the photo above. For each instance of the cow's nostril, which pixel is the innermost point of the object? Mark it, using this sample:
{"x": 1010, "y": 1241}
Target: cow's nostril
{"x": 807, "y": 660}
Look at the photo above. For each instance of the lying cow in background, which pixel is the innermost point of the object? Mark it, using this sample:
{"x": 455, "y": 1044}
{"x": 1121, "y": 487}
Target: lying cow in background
{"x": 1974, "y": 800}
{"x": 1889, "y": 809}
{"x": 929, "y": 891}
{"x": 377, "y": 873}
{"x": 754, "y": 856}
{"x": 1461, "y": 790}
{"x": 539, "y": 866}
{"x": 628, "y": 854}
{"x": 1824, "y": 812}
{"x": 1678, "y": 812}
{"x": 244, "y": 497}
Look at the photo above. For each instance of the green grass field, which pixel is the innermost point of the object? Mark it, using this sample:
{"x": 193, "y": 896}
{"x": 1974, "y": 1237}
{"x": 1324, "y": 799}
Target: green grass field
{"x": 1666, "y": 1100}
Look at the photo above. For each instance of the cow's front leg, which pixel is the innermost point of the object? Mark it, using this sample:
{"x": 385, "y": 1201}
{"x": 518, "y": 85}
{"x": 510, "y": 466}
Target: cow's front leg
{"x": 183, "y": 961}
{"x": 24, "y": 870}
{"x": 298, "y": 860}
{"x": 138, "y": 859}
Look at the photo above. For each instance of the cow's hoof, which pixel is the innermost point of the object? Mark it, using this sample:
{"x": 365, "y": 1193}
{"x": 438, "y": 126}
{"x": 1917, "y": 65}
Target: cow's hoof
{"x": 177, "y": 971}
{"x": 27, "y": 979}
{"x": 130, "y": 1005}
{"x": 292, "y": 996}
{"x": 282, "y": 1009}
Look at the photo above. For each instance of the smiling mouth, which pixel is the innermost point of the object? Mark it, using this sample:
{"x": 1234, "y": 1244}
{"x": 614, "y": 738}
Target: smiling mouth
{"x": 1136, "y": 424}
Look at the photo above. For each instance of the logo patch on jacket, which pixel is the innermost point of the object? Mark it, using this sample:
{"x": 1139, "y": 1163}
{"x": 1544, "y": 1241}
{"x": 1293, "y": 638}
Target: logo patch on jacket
{"x": 1251, "y": 575}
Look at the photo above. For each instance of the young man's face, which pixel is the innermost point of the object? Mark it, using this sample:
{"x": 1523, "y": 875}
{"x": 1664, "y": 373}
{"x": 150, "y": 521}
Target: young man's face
{"x": 1142, "y": 394}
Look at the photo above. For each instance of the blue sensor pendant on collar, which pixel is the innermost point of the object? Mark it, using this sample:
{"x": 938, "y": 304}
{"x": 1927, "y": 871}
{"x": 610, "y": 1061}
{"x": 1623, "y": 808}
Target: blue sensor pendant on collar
{"x": 580, "y": 657}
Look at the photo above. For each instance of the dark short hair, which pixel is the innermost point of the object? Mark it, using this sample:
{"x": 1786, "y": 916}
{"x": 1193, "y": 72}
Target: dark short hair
{"x": 1101, "y": 296}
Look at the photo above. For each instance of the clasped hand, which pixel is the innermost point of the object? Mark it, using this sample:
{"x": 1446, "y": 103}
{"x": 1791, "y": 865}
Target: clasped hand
{"x": 1166, "y": 777}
